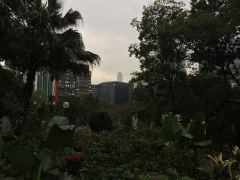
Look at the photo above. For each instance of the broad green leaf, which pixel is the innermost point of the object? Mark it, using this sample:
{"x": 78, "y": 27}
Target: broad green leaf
{"x": 185, "y": 133}
{"x": 58, "y": 120}
{"x": 171, "y": 128}
{"x": 45, "y": 157}
{"x": 67, "y": 127}
{"x": 58, "y": 138}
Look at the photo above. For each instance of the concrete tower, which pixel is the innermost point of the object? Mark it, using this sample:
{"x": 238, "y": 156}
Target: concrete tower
{"x": 120, "y": 77}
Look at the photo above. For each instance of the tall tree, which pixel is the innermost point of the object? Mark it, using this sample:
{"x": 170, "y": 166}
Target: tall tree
{"x": 209, "y": 35}
{"x": 41, "y": 37}
{"x": 212, "y": 34}
{"x": 10, "y": 88}
{"x": 160, "y": 51}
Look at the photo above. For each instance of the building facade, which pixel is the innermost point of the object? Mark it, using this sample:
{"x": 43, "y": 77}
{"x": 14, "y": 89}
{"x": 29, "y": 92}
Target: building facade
{"x": 117, "y": 93}
{"x": 82, "y": 83}
{"x": 44, "y": 84}
{"x": 94, "y": 90}
{"x": 68, "y": 84}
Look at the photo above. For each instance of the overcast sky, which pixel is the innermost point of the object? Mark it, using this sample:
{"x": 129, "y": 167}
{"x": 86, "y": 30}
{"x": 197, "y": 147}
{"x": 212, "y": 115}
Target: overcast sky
{"x": 106, "y": 31}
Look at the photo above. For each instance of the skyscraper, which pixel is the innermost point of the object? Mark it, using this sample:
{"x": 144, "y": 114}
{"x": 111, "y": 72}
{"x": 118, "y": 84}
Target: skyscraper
{"x": 120, "y": 77}
{"x": 44, "y": 84}
{"x": 67, "y": 84}
{"x": 114, "y": 92}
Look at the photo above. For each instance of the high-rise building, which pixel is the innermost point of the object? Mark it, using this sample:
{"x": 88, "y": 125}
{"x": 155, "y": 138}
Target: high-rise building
{"x": 116, "y": 93}
{"x": 70, "y": 84}
{"x": 44, "y": 84}
{"x": 120, "y": 77}
{"x": 82, "y": 83}
{"x": 66, "y": 84}
{"x": 94, "y": 90}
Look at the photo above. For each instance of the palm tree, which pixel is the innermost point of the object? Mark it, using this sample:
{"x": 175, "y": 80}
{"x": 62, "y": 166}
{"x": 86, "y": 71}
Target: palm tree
{"x": 41, "y": 37}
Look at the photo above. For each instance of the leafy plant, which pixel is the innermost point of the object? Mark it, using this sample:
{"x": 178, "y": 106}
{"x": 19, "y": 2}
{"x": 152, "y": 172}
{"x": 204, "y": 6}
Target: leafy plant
{"x": 45, "y": 162}
{"x": 195, "y": 134}
{"x": 216, "y": 167}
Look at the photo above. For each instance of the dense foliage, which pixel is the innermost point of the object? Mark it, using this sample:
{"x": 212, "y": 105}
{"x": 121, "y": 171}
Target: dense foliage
{"x": 10, "y": 87}
{"x": 206, "y": 41}
{"x": 35, "y": 35}
{"x": 184, "y": 118}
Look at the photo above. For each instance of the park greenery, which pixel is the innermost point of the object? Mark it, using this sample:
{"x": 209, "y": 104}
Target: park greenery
{"x": 186, "y": 96}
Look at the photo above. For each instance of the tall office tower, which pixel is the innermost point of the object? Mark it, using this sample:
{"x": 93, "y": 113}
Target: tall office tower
{"x": 94, "y": 90}
{"x": 120, "y": 77}
{"x": 116, "y": 93}
{"x": 44, "y": 84}
{"x": 66, "y": 84}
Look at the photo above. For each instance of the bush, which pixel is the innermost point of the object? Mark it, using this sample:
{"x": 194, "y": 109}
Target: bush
{"x": 121, "y": 155}
{"x": 101, "y": 121}
{"x": 82, "y": 136}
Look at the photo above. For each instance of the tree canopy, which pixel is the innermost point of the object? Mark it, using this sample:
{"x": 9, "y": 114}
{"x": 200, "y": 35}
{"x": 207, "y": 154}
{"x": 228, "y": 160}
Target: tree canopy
{"x": 35, "y": 35}
{"x": 212, "y": 35}
{"x": 173, "y": 39}
{"x": 40, "y": 36}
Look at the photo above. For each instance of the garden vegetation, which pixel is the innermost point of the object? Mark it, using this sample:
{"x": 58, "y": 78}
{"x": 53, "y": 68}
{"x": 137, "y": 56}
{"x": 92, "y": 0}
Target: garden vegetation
{"x": 186, "y": 100}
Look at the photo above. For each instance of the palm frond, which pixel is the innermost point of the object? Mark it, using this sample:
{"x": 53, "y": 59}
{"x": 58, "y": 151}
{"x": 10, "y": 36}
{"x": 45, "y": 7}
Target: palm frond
{"x": 78, "y": 68}
{"x": 70, "y": 19}
{"x": 87, "y": 57}
{"x": 54, "y": 6}
{"x": 14, "y": 4}
{"x": 72, "y": 39}
{"x": 16, "y": 8}
{"x": 4, "y": 18}
{"x": 59, "y": 47}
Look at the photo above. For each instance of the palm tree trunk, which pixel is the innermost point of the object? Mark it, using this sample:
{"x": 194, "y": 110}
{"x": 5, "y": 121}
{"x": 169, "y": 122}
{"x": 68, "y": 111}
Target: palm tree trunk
{"x": 25, "y": 100}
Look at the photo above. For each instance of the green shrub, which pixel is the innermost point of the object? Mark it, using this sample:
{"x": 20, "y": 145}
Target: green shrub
{"x": 82, "y": 136}
{"x": 101, "y": 121}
